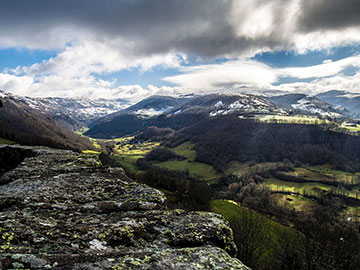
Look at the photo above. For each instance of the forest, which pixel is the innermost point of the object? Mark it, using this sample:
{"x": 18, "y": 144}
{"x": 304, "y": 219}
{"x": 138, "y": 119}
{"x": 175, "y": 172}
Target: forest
{"x": 226, "y": 138}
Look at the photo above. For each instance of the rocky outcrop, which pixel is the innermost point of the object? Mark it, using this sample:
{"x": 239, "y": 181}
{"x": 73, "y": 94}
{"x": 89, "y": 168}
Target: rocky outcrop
{"x": 63, "y": 210}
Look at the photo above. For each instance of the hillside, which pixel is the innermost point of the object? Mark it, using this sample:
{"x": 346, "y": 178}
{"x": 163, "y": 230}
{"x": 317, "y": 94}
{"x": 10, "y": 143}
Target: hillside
{"x": 347, "y": 100}
{"x": 72, "y": 113}
{"x": 301, "y": 103}
{"x": 188, "y": 112}
{"x": 24, "y": 125}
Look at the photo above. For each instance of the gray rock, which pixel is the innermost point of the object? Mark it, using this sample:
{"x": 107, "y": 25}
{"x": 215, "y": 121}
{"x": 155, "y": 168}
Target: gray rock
{"x": 63, "y": 210}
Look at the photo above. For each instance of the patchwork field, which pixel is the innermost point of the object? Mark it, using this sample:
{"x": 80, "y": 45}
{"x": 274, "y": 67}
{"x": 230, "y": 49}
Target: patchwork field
{"x": 241, "y": 169}
{"x": 299, "y": 195}
{"x": 197, "y": 170}
{"x": 311, "y": 188}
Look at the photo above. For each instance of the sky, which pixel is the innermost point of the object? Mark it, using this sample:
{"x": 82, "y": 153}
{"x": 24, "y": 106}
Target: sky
{"x": 132, "y": 49}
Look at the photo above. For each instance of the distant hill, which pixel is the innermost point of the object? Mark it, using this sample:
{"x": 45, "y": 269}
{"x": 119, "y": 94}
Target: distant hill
{"x": 348, "y": 100}
{"x": 72, "y": 113}
{"x": 166, "y": 112}
{"x": 24, "y": 125}
{"x": 301, "y": 103}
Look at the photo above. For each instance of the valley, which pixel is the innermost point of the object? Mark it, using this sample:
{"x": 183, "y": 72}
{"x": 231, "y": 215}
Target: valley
{"x": 242, "y": 156}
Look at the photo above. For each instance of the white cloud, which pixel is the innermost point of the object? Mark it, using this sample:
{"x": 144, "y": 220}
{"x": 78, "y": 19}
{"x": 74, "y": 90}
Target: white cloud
{"x": 327, "y": 68}
{"x": 209, "y": 77}
{"x": 251, "y": 74}
{"x": 78, "y": 70}
{"x": 339, "y": 82}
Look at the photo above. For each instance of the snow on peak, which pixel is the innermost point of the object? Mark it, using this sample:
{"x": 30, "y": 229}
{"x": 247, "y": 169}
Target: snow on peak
{"x": 219, "y": 104}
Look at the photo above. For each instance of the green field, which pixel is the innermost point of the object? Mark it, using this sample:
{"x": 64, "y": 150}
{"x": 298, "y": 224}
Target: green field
{"x": 124, "y": 147}
{"x": 311, "y": 188}
{"x": 81, "y": 131}
{"x": 197, "y": 170}
{"x": 186, "y": 150}
{"x": 335, "y": 175}
{"x": 313, "y": 174}
{"x": 352, "y": 127}
{"x": 128, "y": 153}
{"x": 95, "y": 143}
{"x": 5, "y": 141}
{"x": 90, "y": 152}
{"x": 295, "y": 119}
{"x": 295, "y": 202}
{"x": 240, "y": 169}
{"x": 127, "y": 162}
{"x": 309, "y": 175}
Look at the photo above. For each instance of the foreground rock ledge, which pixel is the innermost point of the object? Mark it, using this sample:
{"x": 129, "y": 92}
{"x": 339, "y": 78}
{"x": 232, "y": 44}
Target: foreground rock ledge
{"x": 63, "y": 210}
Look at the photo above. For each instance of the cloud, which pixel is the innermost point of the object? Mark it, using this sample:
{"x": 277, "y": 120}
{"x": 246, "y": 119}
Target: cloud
{"x": 327, "y": 68}
{"x": 205, "y": 28}
{"x": 329, "y": 14}
{"x": 209, "y": 77}
{"x": 78, "y": 70}
{"x": 252, "y": 74}
{"x": 99, "y": 37}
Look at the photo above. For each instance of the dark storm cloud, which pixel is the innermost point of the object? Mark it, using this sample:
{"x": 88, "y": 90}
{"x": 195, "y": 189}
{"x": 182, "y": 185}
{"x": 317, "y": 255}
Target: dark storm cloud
{"x": 199, "y": 27}
{"x": 195, "y": 27}
{"x": 329, "y": 14}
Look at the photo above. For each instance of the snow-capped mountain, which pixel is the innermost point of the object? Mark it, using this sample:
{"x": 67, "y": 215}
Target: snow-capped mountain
{"x": 245, "y": 104}
{"x": 350, "y": 101}
{"x": 179, "y": 113}
{"x": 72, "y": 113}
{"x": 23, "y": 124}
{"x": 301, "y": 103}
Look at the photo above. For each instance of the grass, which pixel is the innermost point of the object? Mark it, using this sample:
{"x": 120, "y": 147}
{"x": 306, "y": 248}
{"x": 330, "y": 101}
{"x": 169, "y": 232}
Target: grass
{"x": 81, "y": 131}
{"x": 310, "y": 188}
{"x": 127, "y": 162}
{"x": 197, "y": 170}
{"x": 350, "y": 127}
{"x": 295, "y": 202}
{"x": 95, "y": 143}
{"x": 240, "y": 169}
{"x": 296, "y": 119}
{"x": 310, "y": 175}
{"x": 127, "y": 148}
{"x": 90, "y": 152}
{"x": 186, "y": 150}
{"x": 5, "y": 141}
{"x": 338, "y": 176}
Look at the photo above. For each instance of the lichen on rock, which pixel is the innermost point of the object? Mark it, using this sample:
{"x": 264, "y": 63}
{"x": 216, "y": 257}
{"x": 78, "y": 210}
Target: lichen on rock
{"x": 63, "y": 210}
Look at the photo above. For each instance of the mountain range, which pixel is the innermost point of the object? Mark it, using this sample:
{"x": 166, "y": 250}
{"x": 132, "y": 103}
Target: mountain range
{"x": 177, "y": 113}
{"x": 73, "y": 113}
{"x": 347, "y": 100}
{"x": 23, "y": 124}
{"x": 116, "y": 118}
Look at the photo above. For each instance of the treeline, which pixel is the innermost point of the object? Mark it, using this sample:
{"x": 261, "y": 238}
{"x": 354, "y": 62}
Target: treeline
{"x": 226, "y": 138}
{"x": 162, "y": 154}
{"x": 190, "y": 194}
